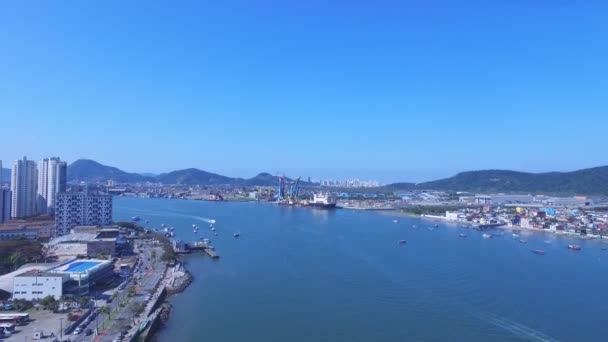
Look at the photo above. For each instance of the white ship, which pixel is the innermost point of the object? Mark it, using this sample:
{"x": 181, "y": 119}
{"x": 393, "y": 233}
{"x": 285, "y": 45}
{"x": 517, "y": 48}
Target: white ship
{"x": 323, "y": 200}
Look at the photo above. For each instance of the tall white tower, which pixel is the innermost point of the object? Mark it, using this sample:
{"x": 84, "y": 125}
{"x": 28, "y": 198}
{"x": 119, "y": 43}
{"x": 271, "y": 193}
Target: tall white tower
{"x": 48, "y": 177}
{"x": 23, "y": 187}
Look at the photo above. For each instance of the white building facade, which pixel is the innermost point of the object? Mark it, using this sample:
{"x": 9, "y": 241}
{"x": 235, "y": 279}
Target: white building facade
{"x": 34, "y": 285}
{"x": 81, "y": 209}
{"x": 24, "y": 177}
{"x": 49, "y": 184}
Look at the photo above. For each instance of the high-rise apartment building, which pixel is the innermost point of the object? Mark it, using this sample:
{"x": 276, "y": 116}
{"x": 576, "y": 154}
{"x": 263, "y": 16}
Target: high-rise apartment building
{"x": 50, "y": 180}
{"x": 81, "y": 209}
{"x": 24, "y": 176}
{"x": 5, "y": 205}
{"x": 62, "y": 176}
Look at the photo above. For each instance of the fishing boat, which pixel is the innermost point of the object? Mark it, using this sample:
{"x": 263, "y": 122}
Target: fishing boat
{"x": 462, "y": 235}
{"x": 487, "y": 236}
{"x": 402, "y": 242}
{"x": 538, "y": 251}
{"x": 574, "y": 247}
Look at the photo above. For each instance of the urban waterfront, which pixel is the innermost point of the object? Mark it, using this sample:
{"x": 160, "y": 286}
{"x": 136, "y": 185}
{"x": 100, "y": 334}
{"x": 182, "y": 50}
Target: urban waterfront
{"x": 300, "y": 274}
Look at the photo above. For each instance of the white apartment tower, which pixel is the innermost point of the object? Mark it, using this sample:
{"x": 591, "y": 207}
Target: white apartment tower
{"x": 51, "y": 180}
{"x": 24, "y": 176}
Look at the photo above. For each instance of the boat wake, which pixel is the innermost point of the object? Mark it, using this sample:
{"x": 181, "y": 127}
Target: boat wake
{"x": 204, "y": 219}
{"x": 517, "y": 329}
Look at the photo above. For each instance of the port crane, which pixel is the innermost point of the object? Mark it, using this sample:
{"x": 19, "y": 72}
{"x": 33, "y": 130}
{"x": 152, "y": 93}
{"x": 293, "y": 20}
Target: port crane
{"x": 290, "y": 193}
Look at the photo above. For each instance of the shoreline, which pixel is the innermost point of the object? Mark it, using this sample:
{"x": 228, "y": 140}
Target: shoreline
{"x": 503, "y": 227}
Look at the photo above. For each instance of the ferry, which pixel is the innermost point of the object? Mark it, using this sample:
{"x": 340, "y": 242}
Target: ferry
{"x": 322, "y": 200}
{"x": 574, "y": 247}
{"x": 539, "y": 251}
{"x": 487, "y": 236}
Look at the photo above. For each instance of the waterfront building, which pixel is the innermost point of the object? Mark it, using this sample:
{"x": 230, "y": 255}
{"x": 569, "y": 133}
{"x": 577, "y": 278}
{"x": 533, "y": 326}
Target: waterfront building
{"x": 82, "y": 209}
{"x": 48, "y": 184}
{"x": 24, "y": 176}
{"x": 35, "y": 285}
{"x": 31, "y": 230}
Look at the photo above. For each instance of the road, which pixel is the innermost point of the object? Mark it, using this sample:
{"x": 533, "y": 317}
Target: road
{"x": 150, "y": 272}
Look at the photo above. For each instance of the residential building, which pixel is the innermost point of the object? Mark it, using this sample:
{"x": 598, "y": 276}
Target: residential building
{"x": 81, "y": 209}
{"x": 5, "y": 205}
{"x": 24, "y": 176}
{"x": 48, "y": 184}
{"x": 62, "y": 176}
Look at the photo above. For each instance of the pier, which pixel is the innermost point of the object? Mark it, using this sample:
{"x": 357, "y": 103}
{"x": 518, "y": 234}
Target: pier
{"x": 202, "y": 246}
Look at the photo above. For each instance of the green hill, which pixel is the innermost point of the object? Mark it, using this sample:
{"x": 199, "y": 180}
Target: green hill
{"x": 195, "y": 176}
{"x": 91, "y": 171}
{"x": 593, "y": 181}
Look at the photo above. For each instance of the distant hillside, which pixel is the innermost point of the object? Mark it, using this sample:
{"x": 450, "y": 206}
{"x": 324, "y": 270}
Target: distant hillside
{"x": 91, "y": 171}
{"x": 266, "y": 179}
{"x": 195, "y": 176}
{"x": 593, "y": 181}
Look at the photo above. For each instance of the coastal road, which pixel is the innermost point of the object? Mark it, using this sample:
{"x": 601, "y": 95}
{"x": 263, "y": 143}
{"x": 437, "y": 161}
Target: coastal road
{"x": 150, "y": 272}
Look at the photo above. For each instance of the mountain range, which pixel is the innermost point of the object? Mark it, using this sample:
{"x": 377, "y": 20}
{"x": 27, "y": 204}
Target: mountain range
{"x": 91, "y": 171}
{"x": 591, "y": 181}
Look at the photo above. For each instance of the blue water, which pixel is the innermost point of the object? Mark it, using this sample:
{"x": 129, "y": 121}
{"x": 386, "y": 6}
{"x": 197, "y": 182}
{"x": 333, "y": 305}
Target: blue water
{"x": 299, "y": 274}
{"x": 81, "y": 266}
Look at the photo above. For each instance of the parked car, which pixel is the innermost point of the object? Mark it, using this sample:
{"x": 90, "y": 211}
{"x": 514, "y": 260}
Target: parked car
{"x": 88, "y": 332}
{"x": 77, "y": 331}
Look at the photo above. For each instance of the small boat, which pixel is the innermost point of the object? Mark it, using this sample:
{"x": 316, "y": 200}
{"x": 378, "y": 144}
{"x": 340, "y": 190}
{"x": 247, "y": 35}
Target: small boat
{"x": 487, "y": 236}
{"x": 402, "y": 242}
{"x": 237, "y": 235}
{"x": 215, "y": 234}
{"x": 523, "y": 241}
{"x": 574, "y": 247}
{"x": 539, "y": 251}
{"x": 206, "y": 240}
{"x": 162, "y": 225}
{"x": 462, "y": 235}
{"x": 436, "y": 226}
{"x": 414, "y": 226}
{"x": 193, "y": 226}
{"x": 211, "y": 225}
{"x": 515, "y": 235}
{"x": 135, "y": 218}
{"x": 212, "y": 229}
{"x": 548, "y": 241}
{"x": 172, "y": 228}
{"x": 395, "y": 221}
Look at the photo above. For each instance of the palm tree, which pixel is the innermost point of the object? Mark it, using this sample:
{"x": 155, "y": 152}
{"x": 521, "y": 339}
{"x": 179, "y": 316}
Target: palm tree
{"x": 106, "y": 310}
{"x": 15, "y": 259}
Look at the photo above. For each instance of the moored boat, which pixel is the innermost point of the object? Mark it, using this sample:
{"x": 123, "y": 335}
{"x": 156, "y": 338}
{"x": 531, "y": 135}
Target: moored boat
{"x": 402, "y": 242}
{"x": 574, "y": 247}
{"x": 487, "y": 236}
{"x": 539, "y": 251}
{"x": 462, "y": 235}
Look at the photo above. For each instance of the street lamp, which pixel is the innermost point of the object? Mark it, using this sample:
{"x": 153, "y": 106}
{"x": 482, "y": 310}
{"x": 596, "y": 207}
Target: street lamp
{"x": 61, "y": 329}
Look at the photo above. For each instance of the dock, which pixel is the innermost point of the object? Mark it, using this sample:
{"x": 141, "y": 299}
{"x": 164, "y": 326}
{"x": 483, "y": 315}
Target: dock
{"x": 200, "y": 247}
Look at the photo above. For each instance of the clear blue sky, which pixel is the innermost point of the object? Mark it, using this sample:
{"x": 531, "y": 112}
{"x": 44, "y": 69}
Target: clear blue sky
{"x": 394, "y": 90}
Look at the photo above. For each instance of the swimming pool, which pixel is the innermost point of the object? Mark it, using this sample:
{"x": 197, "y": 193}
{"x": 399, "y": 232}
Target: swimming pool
{"x": 81, "y": 266}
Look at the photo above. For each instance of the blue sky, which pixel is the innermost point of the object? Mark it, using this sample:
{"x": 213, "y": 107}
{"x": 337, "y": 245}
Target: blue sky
{"x": 393, "y": 90}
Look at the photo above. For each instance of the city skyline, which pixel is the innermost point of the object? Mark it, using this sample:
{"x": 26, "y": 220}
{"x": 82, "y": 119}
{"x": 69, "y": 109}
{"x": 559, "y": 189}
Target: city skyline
{"x": 398, "y": 92}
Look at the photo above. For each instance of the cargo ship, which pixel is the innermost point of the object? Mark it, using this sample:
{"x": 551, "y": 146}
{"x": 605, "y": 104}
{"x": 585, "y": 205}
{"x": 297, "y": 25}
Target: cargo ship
{"x": 322, "y": 200}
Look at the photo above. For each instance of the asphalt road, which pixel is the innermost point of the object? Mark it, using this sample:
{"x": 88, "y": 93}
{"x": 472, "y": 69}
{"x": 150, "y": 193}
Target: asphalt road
{"x": 150, "y": 273}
